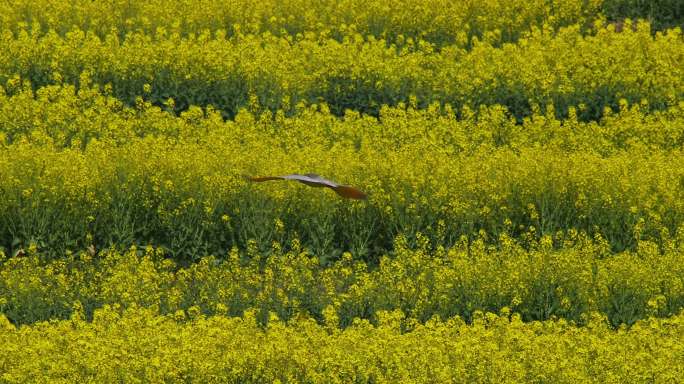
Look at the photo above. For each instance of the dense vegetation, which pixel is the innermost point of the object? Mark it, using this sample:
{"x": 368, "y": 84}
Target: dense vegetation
{"x": 276, "y": 73}
{"x": 83, "y": 169}
{"x": 523, "y": 160}
{"x": 537, "y": 284}
{"x": 142, "y": 347}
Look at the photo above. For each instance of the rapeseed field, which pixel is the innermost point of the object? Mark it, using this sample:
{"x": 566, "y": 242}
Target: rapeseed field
{"x": 523, "y": 164}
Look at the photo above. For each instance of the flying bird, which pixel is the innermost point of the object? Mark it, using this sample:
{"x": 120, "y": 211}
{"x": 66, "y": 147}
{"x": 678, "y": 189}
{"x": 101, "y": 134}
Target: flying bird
{"x": 314, "y": 180}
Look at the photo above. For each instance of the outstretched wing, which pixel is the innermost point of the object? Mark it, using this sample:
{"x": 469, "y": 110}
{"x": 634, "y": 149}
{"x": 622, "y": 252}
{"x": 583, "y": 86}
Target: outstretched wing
{"x": 310, "y": 179}
{"x": 314, "y": 180}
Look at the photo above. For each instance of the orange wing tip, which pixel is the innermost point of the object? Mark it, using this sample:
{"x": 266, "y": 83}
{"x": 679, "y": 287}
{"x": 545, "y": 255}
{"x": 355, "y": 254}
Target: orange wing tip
{"x": 350, "y": 192}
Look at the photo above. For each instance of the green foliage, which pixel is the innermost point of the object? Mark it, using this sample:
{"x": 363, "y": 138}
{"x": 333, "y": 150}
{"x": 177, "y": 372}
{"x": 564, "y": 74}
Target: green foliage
{"x": 661, "y": 13}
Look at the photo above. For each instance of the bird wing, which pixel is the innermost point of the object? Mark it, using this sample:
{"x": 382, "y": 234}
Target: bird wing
{"x": 350, "y": 192}
{"x": 314, "y": 180}
{"x": 311, "y": 179}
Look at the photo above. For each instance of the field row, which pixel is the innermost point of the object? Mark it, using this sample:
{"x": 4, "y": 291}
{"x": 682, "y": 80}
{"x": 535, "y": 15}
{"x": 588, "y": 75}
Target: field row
{"x": 266, "y": 72}
{"x": 84, "y": 169}
{"x": 64, "y": 116}
{"x": 437, "y": 21}
{"x": 139, "y": 345}
{"x": 536, "y": 282}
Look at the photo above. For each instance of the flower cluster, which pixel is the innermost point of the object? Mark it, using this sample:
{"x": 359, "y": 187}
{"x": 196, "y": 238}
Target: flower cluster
{"x": 141, "y": 346}
{"x": 538, "y": 284}
{"x": 544, "y": 70}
